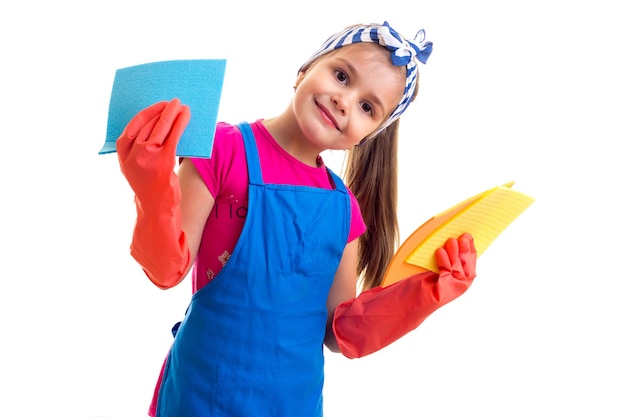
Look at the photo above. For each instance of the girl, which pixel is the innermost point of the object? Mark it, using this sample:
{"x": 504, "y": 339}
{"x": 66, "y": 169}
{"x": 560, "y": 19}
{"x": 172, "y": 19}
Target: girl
{"x": 277, "y": 241}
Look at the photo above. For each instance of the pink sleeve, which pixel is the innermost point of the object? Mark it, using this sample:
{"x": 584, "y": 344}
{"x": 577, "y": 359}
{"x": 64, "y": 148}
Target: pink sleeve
{"x": 227, "y": 158}
{"x": 357, "y": 225}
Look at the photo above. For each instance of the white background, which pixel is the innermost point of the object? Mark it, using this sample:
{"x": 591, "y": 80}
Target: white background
{"x": 527, "y": 91}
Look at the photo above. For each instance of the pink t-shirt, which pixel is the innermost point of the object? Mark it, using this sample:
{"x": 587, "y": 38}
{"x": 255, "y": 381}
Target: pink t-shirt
{"x": 226, "y": 177}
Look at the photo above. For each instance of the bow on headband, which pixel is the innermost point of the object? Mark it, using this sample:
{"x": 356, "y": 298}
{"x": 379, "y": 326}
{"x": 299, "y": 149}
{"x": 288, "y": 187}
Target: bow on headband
{"x": 404, "y": 53}
{"x": 402, "y": 50}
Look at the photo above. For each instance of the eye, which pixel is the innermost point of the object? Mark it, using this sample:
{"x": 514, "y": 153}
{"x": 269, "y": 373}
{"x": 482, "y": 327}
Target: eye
{"x": 341, "y": 76}
{"x": 367, "y": 108}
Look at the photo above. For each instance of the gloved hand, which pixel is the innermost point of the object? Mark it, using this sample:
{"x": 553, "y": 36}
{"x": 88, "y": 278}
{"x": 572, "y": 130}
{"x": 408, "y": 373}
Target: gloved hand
{"x": 381, "y": 315}
{"x": 146, "y": 151}
{"x": 457, "y": 266}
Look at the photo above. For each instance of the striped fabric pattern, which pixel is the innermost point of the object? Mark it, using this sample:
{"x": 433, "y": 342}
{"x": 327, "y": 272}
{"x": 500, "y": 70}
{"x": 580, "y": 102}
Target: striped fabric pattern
{"x": 404, "y": 53}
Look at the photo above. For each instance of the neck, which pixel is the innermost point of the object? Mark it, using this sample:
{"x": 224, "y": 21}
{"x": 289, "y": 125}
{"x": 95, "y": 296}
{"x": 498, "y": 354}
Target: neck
{"x": 286, "y": 132}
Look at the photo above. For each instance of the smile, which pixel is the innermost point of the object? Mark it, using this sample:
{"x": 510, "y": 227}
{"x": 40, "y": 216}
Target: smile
{"x": 327, "y": 117}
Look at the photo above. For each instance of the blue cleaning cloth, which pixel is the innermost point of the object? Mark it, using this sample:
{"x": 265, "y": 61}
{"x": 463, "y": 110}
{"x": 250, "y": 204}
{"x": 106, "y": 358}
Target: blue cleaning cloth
{"x": 197, "y": 83}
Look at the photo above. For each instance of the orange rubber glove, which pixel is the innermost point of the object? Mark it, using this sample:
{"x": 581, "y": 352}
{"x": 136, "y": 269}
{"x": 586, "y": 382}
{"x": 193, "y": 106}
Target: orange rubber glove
{"x": 381, "y": 315}
{"x": 147, "y": 154}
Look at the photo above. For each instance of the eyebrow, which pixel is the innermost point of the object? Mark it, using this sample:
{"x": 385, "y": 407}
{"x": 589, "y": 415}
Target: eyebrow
{"x": 377, "y": 101}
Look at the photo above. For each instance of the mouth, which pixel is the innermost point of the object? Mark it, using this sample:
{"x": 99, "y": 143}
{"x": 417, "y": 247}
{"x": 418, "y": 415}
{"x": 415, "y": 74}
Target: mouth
{"x": 327, "y": 116}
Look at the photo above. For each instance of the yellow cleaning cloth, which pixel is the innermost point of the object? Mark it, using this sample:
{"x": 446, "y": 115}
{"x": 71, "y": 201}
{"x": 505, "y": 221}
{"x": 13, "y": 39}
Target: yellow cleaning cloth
{"x": 484, "y": 216}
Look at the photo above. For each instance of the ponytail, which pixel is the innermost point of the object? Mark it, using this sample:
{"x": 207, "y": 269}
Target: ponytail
{"x": 372, "y": 175}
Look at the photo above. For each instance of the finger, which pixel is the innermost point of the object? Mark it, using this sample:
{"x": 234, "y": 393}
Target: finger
{"x": 164, "y": 125}
{"x": 176, "y": 132}
{"x": 443, "y": 260}
{"x": 125, "y": 144}
{"x": 178, "y": 127}
{"x": 467, "y": 255}
{"x": 143, "y": 117}
{"x": 146, "y": 130}
{"x": 466, "y": 243}
{"x": 452, "y": 247}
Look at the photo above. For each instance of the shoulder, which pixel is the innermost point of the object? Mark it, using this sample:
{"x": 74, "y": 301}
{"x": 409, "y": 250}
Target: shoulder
{"x": 226, "y": 136}
{"x": 227, "y": 159}
{"x": 225, "y": 130}
{"x": 357, "y": 224}
{"x": 227, "y": 143}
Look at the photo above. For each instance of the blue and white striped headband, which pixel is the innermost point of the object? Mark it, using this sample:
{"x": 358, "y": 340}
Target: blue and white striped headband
{"x": 404, "y": 53}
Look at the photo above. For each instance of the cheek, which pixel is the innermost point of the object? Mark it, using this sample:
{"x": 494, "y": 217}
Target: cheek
{"x": 368, "y": 124}
{"x": 358, "y": 131}
{"x": 299, "y": 98}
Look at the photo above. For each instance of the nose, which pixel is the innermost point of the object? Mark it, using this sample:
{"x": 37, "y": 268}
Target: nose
{"x": 341, "y": 102}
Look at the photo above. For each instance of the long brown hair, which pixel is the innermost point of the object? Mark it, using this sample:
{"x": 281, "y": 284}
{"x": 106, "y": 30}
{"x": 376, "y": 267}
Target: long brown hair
{"x": 371, "y": 173}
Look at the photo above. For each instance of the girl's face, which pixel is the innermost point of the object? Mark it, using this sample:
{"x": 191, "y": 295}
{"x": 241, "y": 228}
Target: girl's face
{"x": 346, "y": 95}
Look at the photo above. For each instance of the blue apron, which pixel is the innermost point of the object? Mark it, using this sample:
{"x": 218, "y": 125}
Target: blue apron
{"x": 251, "y": 342}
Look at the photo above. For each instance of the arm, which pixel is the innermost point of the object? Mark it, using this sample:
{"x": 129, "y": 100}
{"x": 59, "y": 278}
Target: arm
{"x": 381, "y": 315}
{"x": 343, "y": 289}
{"x": 195, "y": 205}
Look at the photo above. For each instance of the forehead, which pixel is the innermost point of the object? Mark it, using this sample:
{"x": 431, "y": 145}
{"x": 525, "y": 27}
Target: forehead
{"x": 373, "y": 63}
{"x": 363, "y": 50}
{"x": 370, "y": 58}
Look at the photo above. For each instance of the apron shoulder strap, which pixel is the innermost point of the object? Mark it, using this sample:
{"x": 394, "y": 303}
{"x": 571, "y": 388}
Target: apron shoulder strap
{"x": 252, "y": 154}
